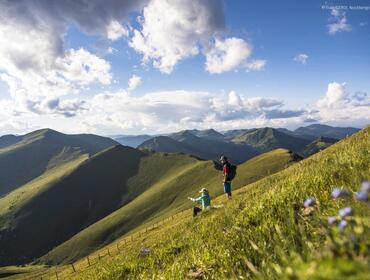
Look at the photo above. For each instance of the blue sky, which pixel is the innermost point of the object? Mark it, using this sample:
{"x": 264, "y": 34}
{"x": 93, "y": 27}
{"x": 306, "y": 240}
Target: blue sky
{"x": 314, "y": 63}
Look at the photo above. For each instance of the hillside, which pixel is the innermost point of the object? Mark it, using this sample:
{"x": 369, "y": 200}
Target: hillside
{"x": 266, "y": 139}
{"x": 26, "y": 157}
{"x": 57, "y": 205}
{"x": 202, "y": 147}
{"x": 319, "y": 130}
{"x": 164, "y": 192}
{"x": 266, "y": 233}
{"x": 318, "y": 145}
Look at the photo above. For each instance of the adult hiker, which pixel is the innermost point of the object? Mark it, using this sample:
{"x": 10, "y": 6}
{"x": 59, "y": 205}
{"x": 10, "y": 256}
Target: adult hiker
{"x": 203, "y": 199}
{"x": 229, "y": 172}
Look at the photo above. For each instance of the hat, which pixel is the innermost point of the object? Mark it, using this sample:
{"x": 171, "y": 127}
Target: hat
{"x": 203, "y": 190}
{"x": 223, "y": 158}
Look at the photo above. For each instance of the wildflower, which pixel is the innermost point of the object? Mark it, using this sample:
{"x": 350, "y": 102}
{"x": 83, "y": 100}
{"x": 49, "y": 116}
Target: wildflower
{"x": 353, "y": 238}
{"x": 332, "y": 220}
{"x": 309, "y": 202}
{"x": 344, "y": 212}
{"x": 342, "y": 225}
{"x": 362, "y": 196}
{"x": 365, "y": 186}
{"x": 144, "y": 251}
{"x": 339, "y": 192}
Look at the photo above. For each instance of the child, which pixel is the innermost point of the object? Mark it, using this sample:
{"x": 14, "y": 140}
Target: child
{"x": 204, "y": 199}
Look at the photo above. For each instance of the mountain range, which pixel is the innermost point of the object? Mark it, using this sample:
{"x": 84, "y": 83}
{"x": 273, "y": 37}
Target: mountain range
{"x": 243, "y": 144}
{"x": 64, "y": 196}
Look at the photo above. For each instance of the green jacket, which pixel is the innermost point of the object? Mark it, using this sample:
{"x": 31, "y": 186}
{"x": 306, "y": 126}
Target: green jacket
{"x": 204, "y": 199}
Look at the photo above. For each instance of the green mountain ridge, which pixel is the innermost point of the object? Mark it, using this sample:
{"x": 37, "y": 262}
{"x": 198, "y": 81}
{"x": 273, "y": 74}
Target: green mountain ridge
{"x": 162, "y": 196}
{"x": 28, "y": 156}
{"x": 266, "y": 232}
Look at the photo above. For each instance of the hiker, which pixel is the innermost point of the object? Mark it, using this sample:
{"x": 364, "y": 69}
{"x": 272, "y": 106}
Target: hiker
{"x": 204, "y": 199}
{"x": 229, "y": 172}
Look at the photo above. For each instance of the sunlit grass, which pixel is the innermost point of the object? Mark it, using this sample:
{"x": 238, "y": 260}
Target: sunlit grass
{"x": 268, "y": 235}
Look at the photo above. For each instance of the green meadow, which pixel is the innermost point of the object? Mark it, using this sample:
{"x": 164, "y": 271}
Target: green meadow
{"x": 265, "y": 232}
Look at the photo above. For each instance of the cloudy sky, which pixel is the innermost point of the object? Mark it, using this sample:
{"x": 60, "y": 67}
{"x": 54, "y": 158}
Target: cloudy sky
{"x": 155, "y": 66}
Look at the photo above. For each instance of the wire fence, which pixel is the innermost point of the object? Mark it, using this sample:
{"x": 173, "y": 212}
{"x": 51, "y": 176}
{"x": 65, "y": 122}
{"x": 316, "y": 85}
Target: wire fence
{"x": 115, "y": 249}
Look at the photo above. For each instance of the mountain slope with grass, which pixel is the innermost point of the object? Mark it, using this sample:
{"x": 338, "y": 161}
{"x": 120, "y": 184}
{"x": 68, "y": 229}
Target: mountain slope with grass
{"x": 266, "y": 232}
{"x": 25, "y": 157}
{"x": 319, "y": 130}
{"x": 319, "y": 144}
{"x": 167, "y": 187}
{"x": 266, "y": 139}
{"x": 209, "y": 146}
{"x": 50, "y": 209}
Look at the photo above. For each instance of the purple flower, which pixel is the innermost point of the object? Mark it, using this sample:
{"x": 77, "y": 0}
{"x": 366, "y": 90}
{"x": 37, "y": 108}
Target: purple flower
{"x": 365, "y": 186}
{"x": 362, "y": 196}
{"x": 342, "y": 225}
{"x": 332, "y": 220}
{"x": 338, "y": 193}
{"x": 344, "y": 212}
{"x": 309, "y": 202}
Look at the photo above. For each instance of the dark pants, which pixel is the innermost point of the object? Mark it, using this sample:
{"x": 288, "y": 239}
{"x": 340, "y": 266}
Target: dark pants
{"x": 196, "y": 210}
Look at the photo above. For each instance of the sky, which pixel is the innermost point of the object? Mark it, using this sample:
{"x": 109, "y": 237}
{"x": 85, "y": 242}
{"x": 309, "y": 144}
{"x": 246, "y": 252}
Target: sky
{"x": 157, "y": 66}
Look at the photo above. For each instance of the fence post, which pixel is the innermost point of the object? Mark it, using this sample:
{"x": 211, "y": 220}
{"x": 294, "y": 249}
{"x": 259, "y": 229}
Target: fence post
{"x": 88, "y": 260}
{"x": 73, "y": 267}
{"x": 99, "y": 256}
{"x": 56, "y": 273}
{"x": 118, "y": 247}
{"x": 108, "y": 252}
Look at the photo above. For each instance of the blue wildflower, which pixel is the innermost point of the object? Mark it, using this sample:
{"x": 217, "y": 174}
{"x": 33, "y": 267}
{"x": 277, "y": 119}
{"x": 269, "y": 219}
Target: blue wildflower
{"x": 362, "y": 196}
{"x": 338, "y": 193}
{"x": 365, "y": 186}
{"x": 332, "y": 220}
{"x": 344, "y": 212}
{"x": 309, "y": 202}
{"x": 342, "y": 225}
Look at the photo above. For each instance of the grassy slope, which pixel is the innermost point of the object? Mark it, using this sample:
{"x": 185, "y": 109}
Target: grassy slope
{"x": 202, "y": 147}
{"x": 266, "y": 139}
{"x": 267, "y": 235}
{"x": 319, "y": 144}
{"x": 172, "y": 178}
{"x": 36, "y": 152}
{"x": 65, "y": 205}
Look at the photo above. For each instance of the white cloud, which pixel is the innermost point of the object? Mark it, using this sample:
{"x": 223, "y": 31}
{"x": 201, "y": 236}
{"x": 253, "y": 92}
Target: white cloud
{"x": 339, "y": 106}
{"x": 174, "y": 30}
{"x": 83, "y": 67}
{"x": 256, "y": 65}
{"x": 226, "y": 55}
{"x": 301, "y": 58}
{"x": 134, "y": 82}
{"x": 115, "y": 31}
{"x": 338, "y": 22}
{"x": 33, "y": 61}
{"x": 335, "y": 95}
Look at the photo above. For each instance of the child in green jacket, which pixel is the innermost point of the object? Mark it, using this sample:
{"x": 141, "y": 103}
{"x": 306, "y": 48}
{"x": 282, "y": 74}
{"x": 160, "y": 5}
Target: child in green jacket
{"x": 204, "y": 199}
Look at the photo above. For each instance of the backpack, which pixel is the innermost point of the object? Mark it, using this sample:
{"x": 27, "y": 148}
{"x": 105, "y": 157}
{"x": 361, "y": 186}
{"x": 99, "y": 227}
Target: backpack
{"x": 232, "y": 172}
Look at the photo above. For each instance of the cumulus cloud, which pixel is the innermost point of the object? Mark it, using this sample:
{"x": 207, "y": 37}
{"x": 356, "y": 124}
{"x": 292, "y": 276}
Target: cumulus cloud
{"x": 256, "y": 65}
{"x": 134, "y": 82}
{"x": 115, "y": 30}
{"x": 33, "y": 61}
{"x": 338, "y": 22}
{"x": 301, "y": 58}
{"x": 335, "y": 96}
{"x": 174, "y": 30}
{"x": 226, "y": 55}
{"x": 340, "y": 106}
{"x": 174, "y": 110}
